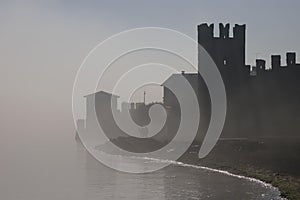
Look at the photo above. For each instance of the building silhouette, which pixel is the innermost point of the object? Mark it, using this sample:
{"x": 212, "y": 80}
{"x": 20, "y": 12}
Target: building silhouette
{"x": 262, "y": 101}
{"x": 99, "y": 113}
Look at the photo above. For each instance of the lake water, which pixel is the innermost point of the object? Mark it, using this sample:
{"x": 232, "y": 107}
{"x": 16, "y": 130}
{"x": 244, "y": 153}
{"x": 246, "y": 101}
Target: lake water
{"x": 62, "y": 169}
{"x": 177, "y": 181}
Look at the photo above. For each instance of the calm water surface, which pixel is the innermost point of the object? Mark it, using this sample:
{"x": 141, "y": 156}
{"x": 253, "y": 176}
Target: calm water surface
{"x": 171, "y": 183}
{"x": 61, "y": 169}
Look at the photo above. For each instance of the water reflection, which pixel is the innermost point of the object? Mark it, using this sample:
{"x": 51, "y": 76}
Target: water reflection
{"x": 172, "y": 182}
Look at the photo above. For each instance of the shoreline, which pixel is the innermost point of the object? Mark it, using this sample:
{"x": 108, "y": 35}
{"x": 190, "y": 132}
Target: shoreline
{"x": 226, "y": 172}
{"x": 268, "y": 162}
{"x": 214, "y": 169}
{"x": 265, "y": 179}
{"x": 287, "y": 185}
{"x": 252, "y": 159}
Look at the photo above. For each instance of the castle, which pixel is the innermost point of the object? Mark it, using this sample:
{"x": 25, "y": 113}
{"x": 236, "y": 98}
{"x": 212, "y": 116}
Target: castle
{"x": 262, "y": 101}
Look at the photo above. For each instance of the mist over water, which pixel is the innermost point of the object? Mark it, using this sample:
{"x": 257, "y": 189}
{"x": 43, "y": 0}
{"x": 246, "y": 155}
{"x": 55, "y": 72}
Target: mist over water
{"x": 62, "y": 169}
{"x": 177, "y": 181}
{"x": 42, "y": 46}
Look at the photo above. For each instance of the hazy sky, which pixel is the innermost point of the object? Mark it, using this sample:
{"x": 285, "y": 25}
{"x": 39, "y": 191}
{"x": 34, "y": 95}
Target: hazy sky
{"x": 43, "y": 43}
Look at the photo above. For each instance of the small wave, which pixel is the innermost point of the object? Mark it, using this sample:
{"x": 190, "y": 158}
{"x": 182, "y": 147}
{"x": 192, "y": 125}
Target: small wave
{"x": 178, "y": 163}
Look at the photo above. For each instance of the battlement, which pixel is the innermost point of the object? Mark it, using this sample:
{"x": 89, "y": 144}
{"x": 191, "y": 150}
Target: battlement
{"x": 276, "y": 66}
{"x": 290, "y": 60}
{"x": 207, "y": 31}
{"x": 275, "y": 61}
{"x": 226, "y": 51}
{"x": 229, "y": 52}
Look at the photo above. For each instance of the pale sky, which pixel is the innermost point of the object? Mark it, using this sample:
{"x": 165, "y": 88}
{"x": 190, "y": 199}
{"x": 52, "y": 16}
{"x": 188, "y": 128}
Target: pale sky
{"x": 43, "y": 43}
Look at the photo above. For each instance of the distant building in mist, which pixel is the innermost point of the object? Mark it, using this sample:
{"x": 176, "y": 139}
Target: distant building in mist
{"x": 99, "y": 113}
{"x": 262, "y": 100}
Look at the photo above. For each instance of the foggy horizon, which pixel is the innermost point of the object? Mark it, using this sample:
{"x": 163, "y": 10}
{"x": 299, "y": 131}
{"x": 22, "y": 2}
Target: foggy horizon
{"x": 44, "y": 43}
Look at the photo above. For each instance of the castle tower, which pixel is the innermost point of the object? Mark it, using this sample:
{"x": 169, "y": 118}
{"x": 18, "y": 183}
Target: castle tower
{"x": 226, "y": 51}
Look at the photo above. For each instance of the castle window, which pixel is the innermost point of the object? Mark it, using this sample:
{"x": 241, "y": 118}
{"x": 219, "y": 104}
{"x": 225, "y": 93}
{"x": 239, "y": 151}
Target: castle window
{"x": 224, "y": 62}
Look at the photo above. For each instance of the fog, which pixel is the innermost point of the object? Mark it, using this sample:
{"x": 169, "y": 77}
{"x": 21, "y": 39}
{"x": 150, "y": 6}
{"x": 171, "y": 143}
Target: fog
{"x": 43, "y": 43}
